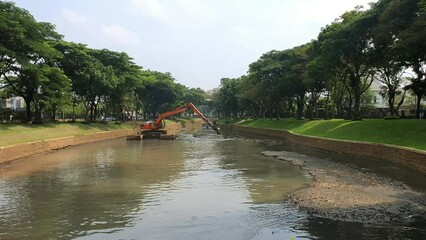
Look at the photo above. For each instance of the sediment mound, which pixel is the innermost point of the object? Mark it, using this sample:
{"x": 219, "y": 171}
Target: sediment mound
{"x": 345, "y": 192}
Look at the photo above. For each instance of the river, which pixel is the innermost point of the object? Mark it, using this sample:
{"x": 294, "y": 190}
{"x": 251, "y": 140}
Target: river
{"x": 200, "y": 186}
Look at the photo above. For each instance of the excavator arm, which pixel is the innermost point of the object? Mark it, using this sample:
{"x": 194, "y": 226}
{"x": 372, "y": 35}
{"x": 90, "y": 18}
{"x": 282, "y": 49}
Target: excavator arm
{"x": 196, "y": 111}
{"x": 157, "y": 124}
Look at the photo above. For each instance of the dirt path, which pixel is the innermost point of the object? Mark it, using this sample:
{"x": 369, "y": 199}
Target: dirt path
{"x": 348, "y": 193}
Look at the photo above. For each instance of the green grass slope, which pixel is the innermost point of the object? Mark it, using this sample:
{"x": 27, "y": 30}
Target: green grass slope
{"x": 408, "y": 133}
{"x": 21, "y": 133}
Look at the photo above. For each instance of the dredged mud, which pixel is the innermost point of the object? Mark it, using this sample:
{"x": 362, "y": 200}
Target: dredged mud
{"x": 347, "y": 193}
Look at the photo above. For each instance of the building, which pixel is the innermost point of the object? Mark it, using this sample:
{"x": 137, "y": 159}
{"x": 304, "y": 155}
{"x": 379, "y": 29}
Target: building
{"x": 14, "y": 103}
{"x": 380, "y": 102}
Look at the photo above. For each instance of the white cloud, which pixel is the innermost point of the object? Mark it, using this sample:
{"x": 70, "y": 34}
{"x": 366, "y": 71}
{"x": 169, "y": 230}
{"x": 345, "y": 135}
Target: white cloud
{"x": 119, "y": 34}
{"x": 197, "y": 9}
{"x": 325, "y": 12}
{"x": 74, "y": 17}
{"x": 151, "y": 8}
{"x": 200, "y": 41}
{"x": 241, "y": 30}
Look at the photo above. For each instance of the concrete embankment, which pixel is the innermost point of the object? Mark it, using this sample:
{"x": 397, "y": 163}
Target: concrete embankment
{"x": 18, "y": 151}
{"x": 24, "y": 150}
{"x": 414, "y": 159}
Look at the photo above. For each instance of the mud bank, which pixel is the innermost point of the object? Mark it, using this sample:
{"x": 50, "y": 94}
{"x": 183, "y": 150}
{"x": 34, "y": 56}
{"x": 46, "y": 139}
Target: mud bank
{"x": 24, "y": 150}
{"x": 188, "y": 125}
{"x": 348, "y": 193}
{"x": 412, "y": 158}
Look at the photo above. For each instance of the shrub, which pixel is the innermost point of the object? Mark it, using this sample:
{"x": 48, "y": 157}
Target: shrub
{"x": 391, "y": 118}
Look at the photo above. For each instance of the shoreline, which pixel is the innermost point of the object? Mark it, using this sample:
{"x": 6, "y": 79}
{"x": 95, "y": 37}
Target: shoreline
{"x": 407, "y": 157}
{"x": 348, "y": 193}
{"x": 25, "y": 150}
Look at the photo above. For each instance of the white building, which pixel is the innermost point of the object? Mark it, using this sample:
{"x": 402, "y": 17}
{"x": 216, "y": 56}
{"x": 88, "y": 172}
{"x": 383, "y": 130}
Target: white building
{"x": 15, "y": 103}
{"x": 381, "y": 102}
{"x": 378, "y": 100}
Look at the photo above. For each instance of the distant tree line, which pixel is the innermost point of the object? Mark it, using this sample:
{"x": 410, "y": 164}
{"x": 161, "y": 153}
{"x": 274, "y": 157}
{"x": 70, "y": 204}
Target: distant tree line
{"x": 335, "y": 70}
{"x": 53, "y": 75}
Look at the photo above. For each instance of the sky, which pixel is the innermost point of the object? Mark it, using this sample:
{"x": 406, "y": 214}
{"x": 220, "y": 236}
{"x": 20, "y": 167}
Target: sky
{"x": 197, "y": 41}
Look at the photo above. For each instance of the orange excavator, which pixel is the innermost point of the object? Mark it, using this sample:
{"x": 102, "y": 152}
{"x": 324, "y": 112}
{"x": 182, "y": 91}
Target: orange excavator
{"x": 156, "y": 129}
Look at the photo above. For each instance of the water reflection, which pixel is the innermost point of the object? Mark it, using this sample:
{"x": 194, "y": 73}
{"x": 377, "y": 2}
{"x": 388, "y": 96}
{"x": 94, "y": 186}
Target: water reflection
{"x": 82, "y": 190}
{"x": 198, "y": 187}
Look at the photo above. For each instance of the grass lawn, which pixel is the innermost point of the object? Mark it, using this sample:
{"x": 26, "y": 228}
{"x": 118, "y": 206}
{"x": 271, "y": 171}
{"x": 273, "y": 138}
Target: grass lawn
{"x": 20, "y": 133}
{"x": 408, "y": 133}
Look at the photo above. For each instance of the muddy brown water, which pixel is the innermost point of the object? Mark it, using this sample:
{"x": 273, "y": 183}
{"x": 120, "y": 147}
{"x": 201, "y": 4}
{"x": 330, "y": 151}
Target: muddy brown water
{"x": 200, "y": 186}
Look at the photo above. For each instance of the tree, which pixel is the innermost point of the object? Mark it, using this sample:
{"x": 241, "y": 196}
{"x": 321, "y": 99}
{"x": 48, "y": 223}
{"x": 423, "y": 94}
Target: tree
{"x": 123, "y": 80}
{"x": 158, "y": 93}
{"x": 387, "y": 59}
{"x": 347, "y": 44}
{"x": 81, "y": 68}
{"x": 28, "y": 59}
{"x": 297, "y": 75}
{"x": 411, "y": 45}
{"x": 194, "y": 95}
{"x": 284, "y": 75}
{"x": 227, "y": 97}
{"x": 267, "y": 73}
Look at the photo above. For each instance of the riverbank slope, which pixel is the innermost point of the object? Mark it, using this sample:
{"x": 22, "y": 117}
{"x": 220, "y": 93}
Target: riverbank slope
{"x": 20, "y": 141}
{"x": 342, "y": 191}
{"x": 12, "y": 134}
{"x": 402, "y": 155}
{"x": 402, "y": 132}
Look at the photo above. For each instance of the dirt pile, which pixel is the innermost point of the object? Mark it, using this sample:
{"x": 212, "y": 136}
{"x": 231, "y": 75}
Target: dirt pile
{"x": 345, "y": 192}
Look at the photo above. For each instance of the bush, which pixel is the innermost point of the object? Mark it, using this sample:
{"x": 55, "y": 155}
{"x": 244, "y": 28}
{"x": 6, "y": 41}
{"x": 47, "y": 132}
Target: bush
{"x": 391, "y": 118}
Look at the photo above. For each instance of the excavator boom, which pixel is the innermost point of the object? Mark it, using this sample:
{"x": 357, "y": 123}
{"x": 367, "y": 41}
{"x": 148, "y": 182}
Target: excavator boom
{"x": 157, "y": 125}
{"x": 196, "y": 111}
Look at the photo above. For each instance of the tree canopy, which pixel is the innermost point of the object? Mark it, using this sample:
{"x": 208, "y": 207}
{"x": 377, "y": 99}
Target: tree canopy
{"x": 53, "y": 75}
{"x": 335, "y": 71}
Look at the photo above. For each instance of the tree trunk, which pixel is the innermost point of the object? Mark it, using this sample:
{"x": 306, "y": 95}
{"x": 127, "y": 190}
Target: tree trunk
{"x": 311, "y": 108}
{"x": 418, "y": 105}
{"x": 391, "y": 105}
{"x": 91, "y": 110}
{"x": 54, "y": 110}
{"x": 326, "y": 106}
{"x": 400, "y": 103}
{"x": 277, "y": 112}
{"x": 29, "y": 116}
{"x": 349, "y": 113}
{"x": 37, "y": 114}
{"x": 300, "y": 104}
{"x": 357, "y": 108}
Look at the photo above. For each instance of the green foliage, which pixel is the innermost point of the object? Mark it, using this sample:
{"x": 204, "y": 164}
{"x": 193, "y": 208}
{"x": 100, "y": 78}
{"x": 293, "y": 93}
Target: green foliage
{"x": 336, "y": 69}
{"x": 332, "y": 72}
{"x": 159, "y": 93}
{"x": 53, "y": 75}
{"x": 28, "y": 60}
{"x": 227, "y": 99}
{"x": 391, "y": 118}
